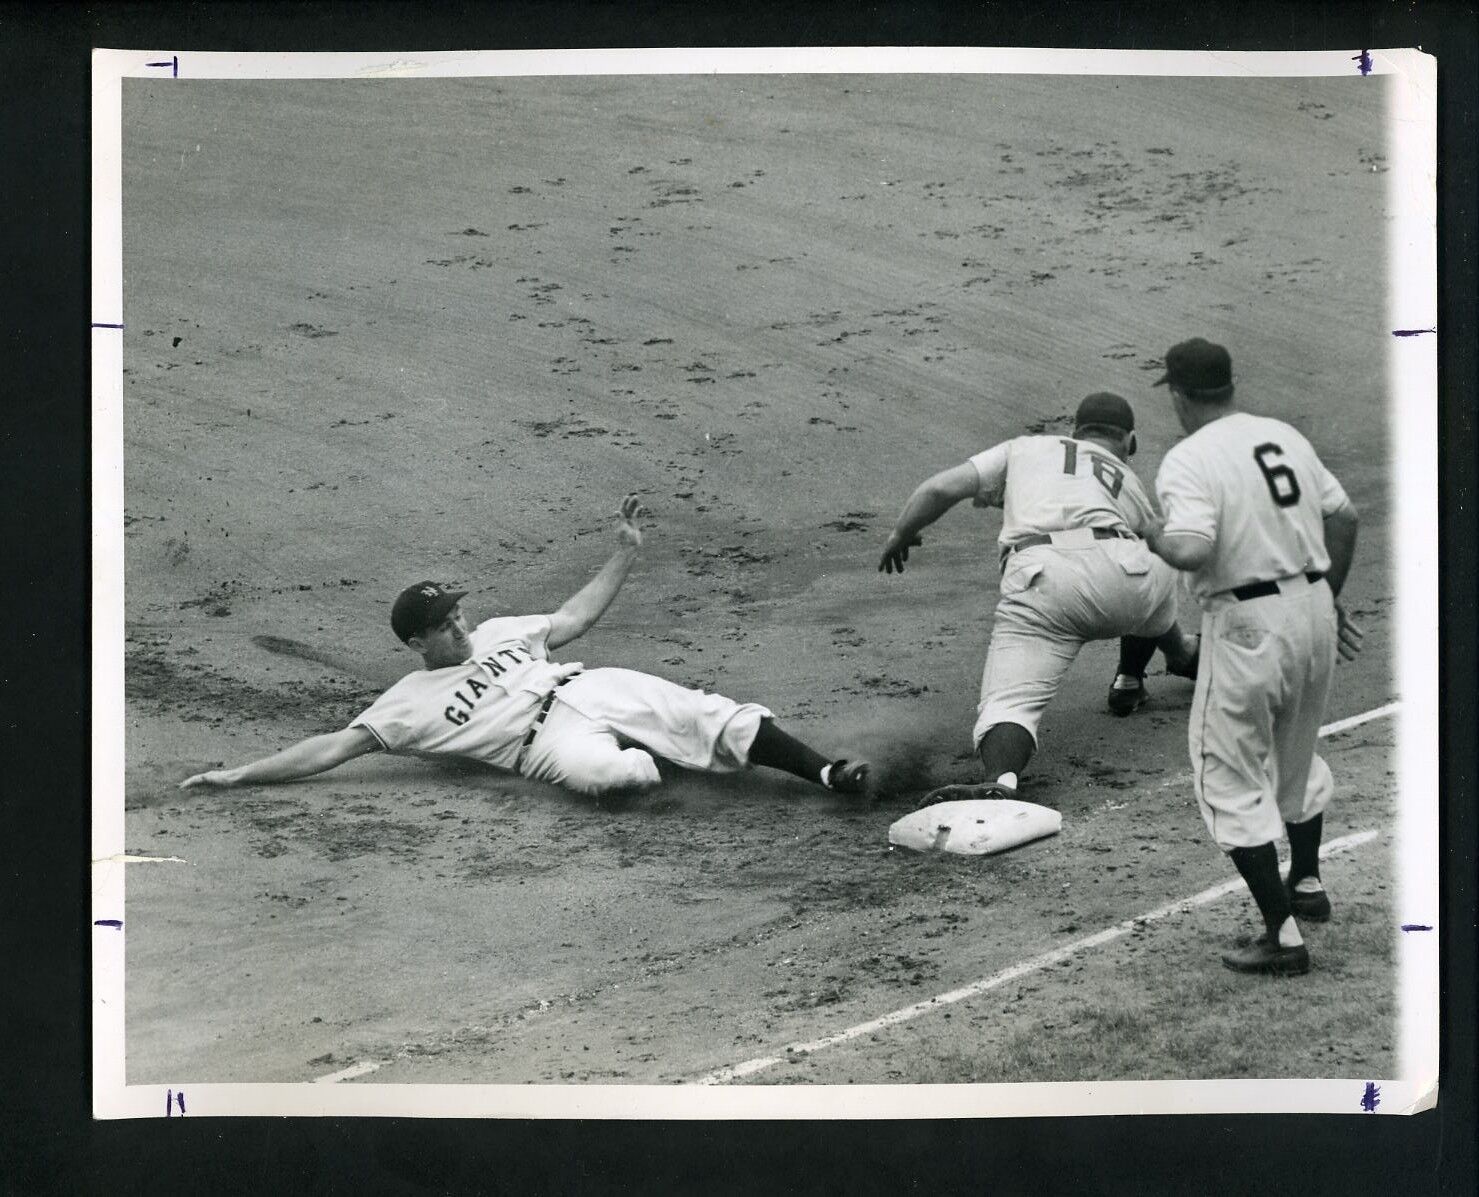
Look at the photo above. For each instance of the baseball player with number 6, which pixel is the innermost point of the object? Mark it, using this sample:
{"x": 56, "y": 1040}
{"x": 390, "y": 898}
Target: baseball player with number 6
{"x": 492, "y": 693}
{"x": 1267, "y": 535}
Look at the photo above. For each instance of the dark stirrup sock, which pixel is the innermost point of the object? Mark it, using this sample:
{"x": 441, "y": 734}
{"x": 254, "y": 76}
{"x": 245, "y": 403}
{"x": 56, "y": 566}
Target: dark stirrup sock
{"x": 1005, "y": 748}
{"x": 1260, "y": 869}
{"x": 1304, "y": 847}
{"x": 1135, "y": 655}
{"x": 778, "y": 750}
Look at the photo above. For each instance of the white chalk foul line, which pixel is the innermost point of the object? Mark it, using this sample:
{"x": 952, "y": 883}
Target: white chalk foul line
{"x": 348, "y": 1074}
{"x": 1035, "y": 964}
{"x": 1340, "y": 725}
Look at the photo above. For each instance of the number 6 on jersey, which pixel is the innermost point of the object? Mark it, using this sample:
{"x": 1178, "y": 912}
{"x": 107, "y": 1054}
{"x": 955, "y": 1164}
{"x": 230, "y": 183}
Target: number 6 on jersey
{"x": 1282, "y": 484}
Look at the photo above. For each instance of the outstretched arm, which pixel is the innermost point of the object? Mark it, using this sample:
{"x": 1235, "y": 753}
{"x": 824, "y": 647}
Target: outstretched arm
{"x": 310, "y": 756}
{"x": 931, "y": 499}
{"x": 589, "y": 603}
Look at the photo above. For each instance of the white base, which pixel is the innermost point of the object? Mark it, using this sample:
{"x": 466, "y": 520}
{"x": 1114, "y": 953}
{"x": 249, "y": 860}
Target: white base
{"x": 976, "y": 827}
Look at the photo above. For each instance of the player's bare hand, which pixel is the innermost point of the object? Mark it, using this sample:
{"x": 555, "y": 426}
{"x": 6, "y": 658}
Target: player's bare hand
{"x": 627, "y": 531}
{"x": 1348, "y": 635}
{"x": 215, "y": 777}
{"x": 896, "y": 552}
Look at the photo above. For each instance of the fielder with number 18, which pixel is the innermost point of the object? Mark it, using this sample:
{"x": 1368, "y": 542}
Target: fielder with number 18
{"x": 1074, "y": 569}
{"x": 1267, "y": 534}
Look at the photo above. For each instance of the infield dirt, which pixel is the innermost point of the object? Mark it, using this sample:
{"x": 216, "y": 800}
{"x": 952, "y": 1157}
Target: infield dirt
{"x": 380, "y": 331}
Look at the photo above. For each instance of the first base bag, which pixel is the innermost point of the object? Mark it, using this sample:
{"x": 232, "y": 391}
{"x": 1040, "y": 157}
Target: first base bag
{"x": 977, "y": 827}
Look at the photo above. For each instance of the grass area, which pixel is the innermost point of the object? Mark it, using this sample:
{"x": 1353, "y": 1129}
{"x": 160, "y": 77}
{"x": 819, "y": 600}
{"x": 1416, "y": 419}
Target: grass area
{"x": 1166, "y": 1007}
{"x": 1159, "y": 1005}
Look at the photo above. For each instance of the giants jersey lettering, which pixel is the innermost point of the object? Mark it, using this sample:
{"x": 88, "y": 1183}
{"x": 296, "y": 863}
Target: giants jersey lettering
{"x": 1054, "y": 483}
{"x": 481, "y": 708}
{"x": 1256, "y": 489}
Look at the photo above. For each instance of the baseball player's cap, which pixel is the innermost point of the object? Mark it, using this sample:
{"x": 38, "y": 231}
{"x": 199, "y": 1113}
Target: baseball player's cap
{"x": 422, "y": 606}
{"x": 1197, "y": 365}
{"x": 1105, "y": 410}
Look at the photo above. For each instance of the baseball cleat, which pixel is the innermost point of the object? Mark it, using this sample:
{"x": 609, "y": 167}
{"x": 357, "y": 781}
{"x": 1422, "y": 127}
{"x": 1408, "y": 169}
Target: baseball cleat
{"x": 1264, "y": 956}
{"x": 1309, "y": 901}
{"x": 1126, "y": 695}
{"x": 969, "y": 793}
{"x": 848, "y": 777}
{"x": 1187, "y": 666}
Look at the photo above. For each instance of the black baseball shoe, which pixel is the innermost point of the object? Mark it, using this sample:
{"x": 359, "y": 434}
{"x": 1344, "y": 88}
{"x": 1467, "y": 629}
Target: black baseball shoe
{"x": 848, "y": 777}
{"x": 969, "y": 793}
{"x": 1187, "y": 667}
{"x": 1309, "y": 905}
{"x": 1127, "y": 694}
{"x": 1265, "y": 956}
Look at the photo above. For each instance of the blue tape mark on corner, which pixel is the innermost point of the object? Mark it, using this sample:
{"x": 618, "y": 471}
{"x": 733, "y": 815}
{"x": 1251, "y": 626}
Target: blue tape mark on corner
{"x": 116, "y": 923}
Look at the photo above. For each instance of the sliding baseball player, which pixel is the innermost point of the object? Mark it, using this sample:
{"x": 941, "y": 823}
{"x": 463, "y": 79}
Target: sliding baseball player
{"x": 493, "y": 694}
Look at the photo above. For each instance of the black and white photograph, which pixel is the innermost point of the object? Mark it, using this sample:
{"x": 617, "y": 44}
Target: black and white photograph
{"x": 764, "y": 584}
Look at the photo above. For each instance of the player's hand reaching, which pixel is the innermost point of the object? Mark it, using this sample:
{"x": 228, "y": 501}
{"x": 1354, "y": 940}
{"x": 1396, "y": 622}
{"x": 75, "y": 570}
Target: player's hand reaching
{"x": 215, "y": 777}
{"x": 627, "y": 532}
{"x": 1348, "y": 635}
{"x": 896, "y": 552}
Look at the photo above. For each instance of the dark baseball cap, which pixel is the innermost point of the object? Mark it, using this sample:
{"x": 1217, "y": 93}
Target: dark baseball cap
{"x": 422, "y": 606}
{"x": 1197, "y": 365}
{"x": 1105, "y": 410}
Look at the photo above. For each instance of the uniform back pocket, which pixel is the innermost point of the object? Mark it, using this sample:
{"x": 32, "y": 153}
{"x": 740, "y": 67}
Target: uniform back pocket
{"x": 1019, "y": 577}
{"x": 1134, "y": 557}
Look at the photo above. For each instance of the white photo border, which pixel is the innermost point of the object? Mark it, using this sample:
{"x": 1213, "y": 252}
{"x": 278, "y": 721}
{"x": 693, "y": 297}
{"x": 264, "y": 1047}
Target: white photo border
{"x": 1412, "y": 306}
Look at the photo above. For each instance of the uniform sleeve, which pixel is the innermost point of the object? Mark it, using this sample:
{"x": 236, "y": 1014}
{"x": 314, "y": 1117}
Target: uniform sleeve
{"x": 382, "y": 720}
{"x": 991, "y": 472}
{"x": 530, "y": 630}
{"x": 1332, "y": 494}
{"x": 1187, "y": 501}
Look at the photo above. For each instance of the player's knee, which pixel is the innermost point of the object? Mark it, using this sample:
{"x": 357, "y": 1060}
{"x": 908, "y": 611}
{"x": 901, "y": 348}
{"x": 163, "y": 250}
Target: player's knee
{"x": 631, "y": 769}
{"x": 638, "y": 771}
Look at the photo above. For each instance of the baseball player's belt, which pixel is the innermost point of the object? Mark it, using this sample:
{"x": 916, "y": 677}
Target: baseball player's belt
{"x": 1255, "y": 590}
{"x": 549, "y": 701}
{"x": 1031, "y": 542}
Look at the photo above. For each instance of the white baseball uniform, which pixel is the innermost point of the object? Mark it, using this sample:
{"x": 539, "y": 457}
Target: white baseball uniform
{"x": 1255, "y": 488}
{"x": 594, "y": 730}
{"x": 1061, "y": 584}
